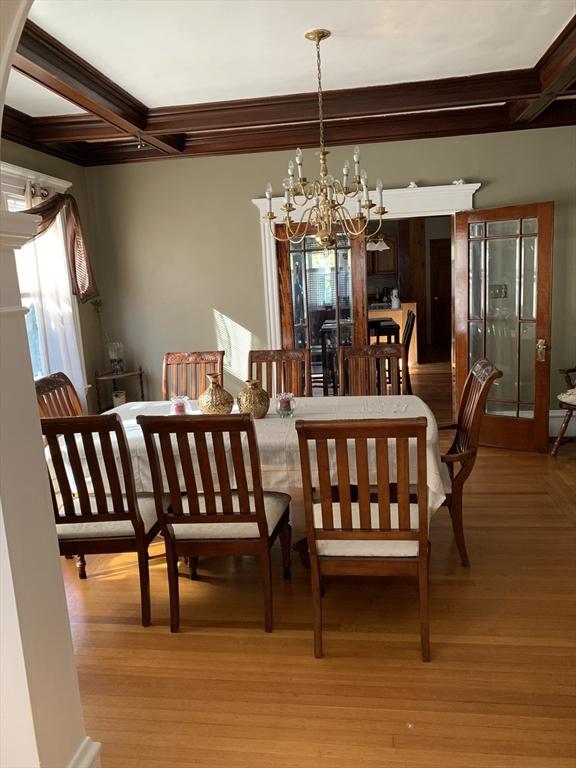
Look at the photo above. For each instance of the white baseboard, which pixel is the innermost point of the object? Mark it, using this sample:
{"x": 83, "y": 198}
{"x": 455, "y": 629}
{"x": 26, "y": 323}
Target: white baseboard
{"x": 87, "y": 755}
{"x": 556, "y": 418}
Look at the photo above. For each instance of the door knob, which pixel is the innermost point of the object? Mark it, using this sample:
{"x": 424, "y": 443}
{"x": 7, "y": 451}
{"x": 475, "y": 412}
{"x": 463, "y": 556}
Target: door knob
{"x": 541, "y": 348}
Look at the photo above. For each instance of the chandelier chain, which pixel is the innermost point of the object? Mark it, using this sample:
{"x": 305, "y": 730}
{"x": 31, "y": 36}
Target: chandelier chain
{"x": 320, "y": 101}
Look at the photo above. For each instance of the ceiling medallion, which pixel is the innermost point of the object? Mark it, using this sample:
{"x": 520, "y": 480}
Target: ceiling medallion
{"x": 323, "y": 201}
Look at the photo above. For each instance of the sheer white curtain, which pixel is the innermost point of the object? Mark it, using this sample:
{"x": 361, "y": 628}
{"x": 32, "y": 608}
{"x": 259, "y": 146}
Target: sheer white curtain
{"x": 52, "y": 323}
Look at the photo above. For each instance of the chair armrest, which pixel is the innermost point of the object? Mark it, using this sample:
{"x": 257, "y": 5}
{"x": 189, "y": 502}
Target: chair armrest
{"x": 451, "y": 458}
{"x": 447, "y": 426}
{"x": 567, "y": 370}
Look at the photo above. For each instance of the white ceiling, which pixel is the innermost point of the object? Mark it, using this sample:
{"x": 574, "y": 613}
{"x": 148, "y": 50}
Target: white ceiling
{"x": 168, "y": 52}
{"x": 35, "y": 100}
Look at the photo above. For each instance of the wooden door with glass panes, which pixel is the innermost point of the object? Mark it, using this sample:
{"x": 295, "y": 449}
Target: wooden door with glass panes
{"x": 322, "y": 301}
{"x": 503, "y": 283}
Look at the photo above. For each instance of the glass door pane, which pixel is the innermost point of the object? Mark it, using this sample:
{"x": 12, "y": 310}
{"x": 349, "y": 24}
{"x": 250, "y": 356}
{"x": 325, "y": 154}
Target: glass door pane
{"x": 502, "y": 276}
{"x": 321, "y": 282}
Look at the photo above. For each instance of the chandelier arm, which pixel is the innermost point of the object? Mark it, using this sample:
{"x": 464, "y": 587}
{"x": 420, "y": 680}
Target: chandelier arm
{"x": 275, "y": 236}
{"x": 347, "y": 222}
{"x": 294, "y": 235}
{"x": 306, "y": 196}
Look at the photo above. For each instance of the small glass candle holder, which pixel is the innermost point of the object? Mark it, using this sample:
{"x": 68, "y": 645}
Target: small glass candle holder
{"x": 285, "y": 405}
{"x": 179, "y": 405}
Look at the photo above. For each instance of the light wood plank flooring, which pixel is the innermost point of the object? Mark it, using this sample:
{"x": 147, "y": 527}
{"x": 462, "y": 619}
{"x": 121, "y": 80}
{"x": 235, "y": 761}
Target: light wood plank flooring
{"x": 498, "y": 693}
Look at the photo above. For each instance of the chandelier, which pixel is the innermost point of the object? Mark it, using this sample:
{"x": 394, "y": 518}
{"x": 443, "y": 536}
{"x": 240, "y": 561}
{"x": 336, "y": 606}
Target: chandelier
{"x": 323, "y": 201}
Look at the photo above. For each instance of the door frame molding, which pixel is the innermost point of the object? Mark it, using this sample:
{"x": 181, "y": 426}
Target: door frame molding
{"x": 402, "y": 203}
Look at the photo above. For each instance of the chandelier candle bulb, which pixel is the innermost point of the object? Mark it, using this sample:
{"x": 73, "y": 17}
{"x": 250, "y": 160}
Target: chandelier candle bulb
{"x": 269, "y": 196}
{"x": 299, "y": 162}
{"x": 379, "y": 192}
{"x": 356, "y": 157}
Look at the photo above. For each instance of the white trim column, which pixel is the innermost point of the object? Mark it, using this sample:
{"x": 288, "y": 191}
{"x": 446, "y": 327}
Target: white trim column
{"x": 410, "y": 202}
{"x": 41, "y": 717}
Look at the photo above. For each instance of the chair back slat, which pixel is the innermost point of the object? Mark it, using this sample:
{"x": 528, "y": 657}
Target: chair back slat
{"x": 87, "y": 484}
{"x": 185, "y": 373}
{"x": 76, "y": 466}
{"x": 363, "y": 482}
{"x": 222, "y": 470}
{"x": 324, "y": 484}
{"x": 65, "y": 489}
{"x": 383, "y": 482}
{"x": 94, "y": 469}
{"x": 215, "y": 464}
{"x": 344, "y": 483}
{"x": 281, "y": 370}
{"x": 190, "y": 486}
{"x": 241, "y": 481}
{"x": 111, "y": 471}
{"x": 169, "y": 463}
{"x": 403, "y": 482}
{"x": 408, "y": 330}
{"x": 205, "y": 472}
{"x": 57, "y": 397}
{"x": 372, "y": 369}
{"x": 359, "y": 453}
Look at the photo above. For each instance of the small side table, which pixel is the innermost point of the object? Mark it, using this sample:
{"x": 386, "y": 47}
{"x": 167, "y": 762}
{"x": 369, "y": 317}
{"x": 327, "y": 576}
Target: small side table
{"x": 114, "y": 377}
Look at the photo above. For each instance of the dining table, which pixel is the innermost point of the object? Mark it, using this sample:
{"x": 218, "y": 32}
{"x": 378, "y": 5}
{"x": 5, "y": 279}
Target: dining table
{"x": 278, "y": 441}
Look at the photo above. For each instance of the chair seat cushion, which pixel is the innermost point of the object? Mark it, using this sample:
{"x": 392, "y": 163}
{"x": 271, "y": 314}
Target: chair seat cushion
{"x": 368, "y": 547}
{"x": 114, "y": 528}
{"x": 568, "y": 397}
{"x": 275, "y": 504}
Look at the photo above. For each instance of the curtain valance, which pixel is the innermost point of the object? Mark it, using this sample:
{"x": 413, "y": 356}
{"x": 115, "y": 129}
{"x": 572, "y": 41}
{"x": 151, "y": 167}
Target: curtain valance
{"x": 81, "y": 274}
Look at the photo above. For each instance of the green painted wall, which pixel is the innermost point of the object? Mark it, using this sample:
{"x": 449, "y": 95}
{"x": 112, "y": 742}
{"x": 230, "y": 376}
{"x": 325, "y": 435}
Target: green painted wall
{"x": 177, "y": 241}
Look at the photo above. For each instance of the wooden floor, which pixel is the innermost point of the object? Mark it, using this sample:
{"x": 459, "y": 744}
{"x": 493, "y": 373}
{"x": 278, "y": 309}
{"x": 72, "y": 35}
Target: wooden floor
{"x": 498, "y": 693}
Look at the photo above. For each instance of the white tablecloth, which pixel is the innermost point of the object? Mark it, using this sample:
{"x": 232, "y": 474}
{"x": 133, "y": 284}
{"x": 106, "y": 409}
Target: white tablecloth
{"x": 278, "y": 442}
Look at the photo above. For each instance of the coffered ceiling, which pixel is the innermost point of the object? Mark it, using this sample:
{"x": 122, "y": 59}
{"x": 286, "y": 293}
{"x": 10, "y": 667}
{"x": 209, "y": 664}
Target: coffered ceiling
{"x": 92, "y": 79}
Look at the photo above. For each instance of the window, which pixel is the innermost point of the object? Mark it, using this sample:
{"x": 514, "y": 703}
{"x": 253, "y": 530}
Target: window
{"x": 52, "y": 321}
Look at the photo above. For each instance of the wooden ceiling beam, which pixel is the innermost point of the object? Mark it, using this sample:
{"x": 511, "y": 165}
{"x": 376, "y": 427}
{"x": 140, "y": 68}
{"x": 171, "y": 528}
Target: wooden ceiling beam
{"x": 18, "y": 127}
{"x": 73, "y": 128}
{"x": 345, "y": 103}
{"x": 45, "y": 60}
{"x": 556, "y": 72}
{"x": 339, "y": 133}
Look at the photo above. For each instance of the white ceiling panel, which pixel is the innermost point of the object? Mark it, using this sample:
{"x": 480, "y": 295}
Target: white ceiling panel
{"x": 35, "y": 100}
{"x": 168, "y": 52}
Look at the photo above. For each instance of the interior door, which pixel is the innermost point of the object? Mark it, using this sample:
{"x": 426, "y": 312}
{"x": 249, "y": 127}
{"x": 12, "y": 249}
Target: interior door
{"x": 502, "y": 290}
{"x": 441, "y": 292}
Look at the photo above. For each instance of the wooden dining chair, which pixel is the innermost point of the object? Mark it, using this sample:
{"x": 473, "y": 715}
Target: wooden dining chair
{"x": 281, "y": 370}
{"x": 56, "y": 396}
{"x": 366, "y": 537}
{"x": 461, "y": 456}
{"x": 406, "y": 339}
{"x": 203, "y": 520}
{"x": 373, "y": 369}
{"x": 184, "y": 373}
{"x": 96, "y": 509}
{"x": 567, "y": 405}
